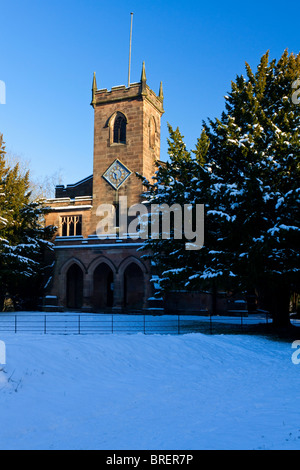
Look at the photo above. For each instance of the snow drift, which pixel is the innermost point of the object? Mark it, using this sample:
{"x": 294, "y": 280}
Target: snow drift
{"x": 148, "y": 392}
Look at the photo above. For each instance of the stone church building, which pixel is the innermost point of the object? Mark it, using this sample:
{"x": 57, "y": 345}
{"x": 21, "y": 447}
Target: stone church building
{"x": 94, "y": 274}
{"x": 98, "y": 274}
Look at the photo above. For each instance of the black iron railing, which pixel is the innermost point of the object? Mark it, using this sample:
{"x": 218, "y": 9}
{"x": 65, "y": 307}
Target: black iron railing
{"x": 128, "y": 324}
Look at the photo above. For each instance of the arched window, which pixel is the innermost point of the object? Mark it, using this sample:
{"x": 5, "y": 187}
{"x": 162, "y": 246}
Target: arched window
{"x": 119, "y": 134}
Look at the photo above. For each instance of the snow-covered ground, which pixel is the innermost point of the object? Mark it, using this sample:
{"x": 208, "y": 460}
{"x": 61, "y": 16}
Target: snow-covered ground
{"x": 148, "y": 392}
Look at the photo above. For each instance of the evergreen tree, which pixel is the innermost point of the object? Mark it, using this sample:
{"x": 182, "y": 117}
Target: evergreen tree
{"x": 255, "y": 153}
{"x": 181, "y": 180}
{"x": 24, "y": 240}
{"x": 246, "y": 170}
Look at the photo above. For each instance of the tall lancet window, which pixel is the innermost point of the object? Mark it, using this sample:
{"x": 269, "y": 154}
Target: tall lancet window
{"x": 71, "y": 225}
{"x": 152, "y": 132}
{"x": 120, "y": 129}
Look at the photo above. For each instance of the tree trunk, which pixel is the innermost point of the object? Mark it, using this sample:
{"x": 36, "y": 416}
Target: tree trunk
{"x": 277, "y": 302}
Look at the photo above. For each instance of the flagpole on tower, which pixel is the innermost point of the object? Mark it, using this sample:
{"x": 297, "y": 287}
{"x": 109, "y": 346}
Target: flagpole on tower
{"x": 130, "y": 42}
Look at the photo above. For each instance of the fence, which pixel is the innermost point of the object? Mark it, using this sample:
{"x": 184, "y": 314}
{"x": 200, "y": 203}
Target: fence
{"x": 117, "y": 323}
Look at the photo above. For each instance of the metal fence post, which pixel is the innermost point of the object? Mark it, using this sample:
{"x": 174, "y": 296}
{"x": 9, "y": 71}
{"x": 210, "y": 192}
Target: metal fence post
{"x": 79, "y": 324}
{"x": 179, "y": 324}
{"x": 210, "y": 324}
{"x": 45, "y": 324}
{"x": 112, "y": 323}
{"x": 144, "y": 324}
{"x": 15, "y": 323}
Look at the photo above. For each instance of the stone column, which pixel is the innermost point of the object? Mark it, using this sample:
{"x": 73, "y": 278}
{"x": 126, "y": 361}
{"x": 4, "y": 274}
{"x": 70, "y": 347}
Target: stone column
{"x": 118, "y": 293}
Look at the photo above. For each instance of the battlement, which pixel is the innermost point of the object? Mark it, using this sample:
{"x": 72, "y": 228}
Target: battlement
{"x": 139, "y": 90}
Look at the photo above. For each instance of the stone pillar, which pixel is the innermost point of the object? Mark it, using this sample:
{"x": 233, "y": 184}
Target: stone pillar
{"x": 118, "y": 293}
{"x": 87, "y": 292}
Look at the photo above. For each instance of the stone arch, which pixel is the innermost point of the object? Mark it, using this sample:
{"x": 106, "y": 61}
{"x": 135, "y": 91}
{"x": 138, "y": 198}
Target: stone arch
{"x": 65, "y": 283}
{"x": 117, "y": 124}
{"x": 100, "y": 259}
{"x": 133, "y": 277}
{"x": 129, "y": 260}
{"x": 74, "y": 287}
{"x": 64, "y": 268}
{"x": 102, "y": 274}
{"x": 111, "y": 119}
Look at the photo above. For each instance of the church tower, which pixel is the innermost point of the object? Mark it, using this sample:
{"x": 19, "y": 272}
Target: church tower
{"x": 91, "y": 273}
{"x": 126, "y": 139}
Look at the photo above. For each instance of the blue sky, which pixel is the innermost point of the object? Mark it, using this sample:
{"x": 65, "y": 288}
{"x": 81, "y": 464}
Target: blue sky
{"x": 49, "y": 51}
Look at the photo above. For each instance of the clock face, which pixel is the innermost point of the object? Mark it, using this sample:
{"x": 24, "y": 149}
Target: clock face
{"x": 116, "y": 174}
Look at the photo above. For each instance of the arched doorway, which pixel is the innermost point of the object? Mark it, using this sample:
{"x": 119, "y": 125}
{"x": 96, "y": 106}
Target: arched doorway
{"x": 103, "y": 293}
{"x": 74, "y": 287}
{"x": 134, "y": 286}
